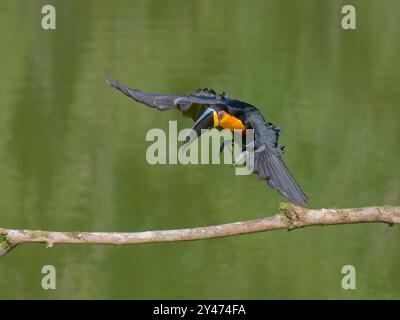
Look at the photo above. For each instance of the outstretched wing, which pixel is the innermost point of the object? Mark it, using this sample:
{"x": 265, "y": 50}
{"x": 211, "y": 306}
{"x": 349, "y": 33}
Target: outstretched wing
{"x": 268, "y": 162}
{"x": 189, "y": 104}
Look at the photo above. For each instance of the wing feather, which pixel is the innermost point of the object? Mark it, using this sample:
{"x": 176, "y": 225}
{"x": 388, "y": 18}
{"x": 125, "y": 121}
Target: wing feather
{"x": 165, "y": 102}
{"x": 269, "y": 164}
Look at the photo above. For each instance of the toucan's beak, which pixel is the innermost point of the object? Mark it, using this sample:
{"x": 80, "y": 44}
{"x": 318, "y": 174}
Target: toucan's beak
{"x": 207, "y": 120}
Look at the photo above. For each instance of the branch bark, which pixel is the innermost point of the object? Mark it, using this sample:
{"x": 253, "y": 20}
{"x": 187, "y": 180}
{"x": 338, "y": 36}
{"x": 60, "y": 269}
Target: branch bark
{"x": 290, "y": 217}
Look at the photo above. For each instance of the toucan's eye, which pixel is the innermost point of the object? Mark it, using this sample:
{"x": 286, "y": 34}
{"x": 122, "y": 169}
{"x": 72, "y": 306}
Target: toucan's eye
{"x": 221, "y": 115}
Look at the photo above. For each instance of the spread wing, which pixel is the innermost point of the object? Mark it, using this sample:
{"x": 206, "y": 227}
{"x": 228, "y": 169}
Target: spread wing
{"x": 268, "y": 162}
{"x": 189, "y": 104}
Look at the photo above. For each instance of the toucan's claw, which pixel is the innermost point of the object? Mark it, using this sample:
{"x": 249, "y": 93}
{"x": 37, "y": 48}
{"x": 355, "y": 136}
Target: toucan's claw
{"x": 244, "y": 156}
{"x": 241, "y": 158}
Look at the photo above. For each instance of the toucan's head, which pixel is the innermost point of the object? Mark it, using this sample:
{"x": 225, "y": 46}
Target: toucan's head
{"x": 212, "y": 118}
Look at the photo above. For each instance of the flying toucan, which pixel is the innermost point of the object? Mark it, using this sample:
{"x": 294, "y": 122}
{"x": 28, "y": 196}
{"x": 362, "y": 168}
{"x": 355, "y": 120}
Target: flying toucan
{"x": 211, "y": 110}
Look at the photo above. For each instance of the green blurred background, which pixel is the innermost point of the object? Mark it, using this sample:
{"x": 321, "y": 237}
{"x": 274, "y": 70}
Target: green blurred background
{"x": 72, "y": 150}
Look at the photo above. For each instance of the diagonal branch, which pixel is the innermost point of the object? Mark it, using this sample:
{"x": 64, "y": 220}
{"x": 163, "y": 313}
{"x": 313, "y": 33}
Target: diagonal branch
{"x": 290, "y": 217}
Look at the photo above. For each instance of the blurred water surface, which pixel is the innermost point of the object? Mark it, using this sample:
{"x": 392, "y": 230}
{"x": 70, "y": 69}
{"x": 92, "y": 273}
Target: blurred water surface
{"x": 72, "y": 150}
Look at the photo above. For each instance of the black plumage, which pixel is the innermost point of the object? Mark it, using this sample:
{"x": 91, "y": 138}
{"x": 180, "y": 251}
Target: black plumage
{"x": 268, "y": 162}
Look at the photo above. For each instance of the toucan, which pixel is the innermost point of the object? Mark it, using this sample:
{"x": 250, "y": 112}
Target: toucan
{"x": 211, "y": 110}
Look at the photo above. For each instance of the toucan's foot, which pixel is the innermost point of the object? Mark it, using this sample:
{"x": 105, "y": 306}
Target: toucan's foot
{"x": 244, "y": 156}
{"x": 241, "y": 159}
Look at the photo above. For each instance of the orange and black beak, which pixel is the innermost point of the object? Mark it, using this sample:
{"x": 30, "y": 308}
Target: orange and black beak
{"x": 207, "y": 120}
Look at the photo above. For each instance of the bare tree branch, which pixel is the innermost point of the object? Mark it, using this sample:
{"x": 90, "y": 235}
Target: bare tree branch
{"x": 290, "y": 217}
